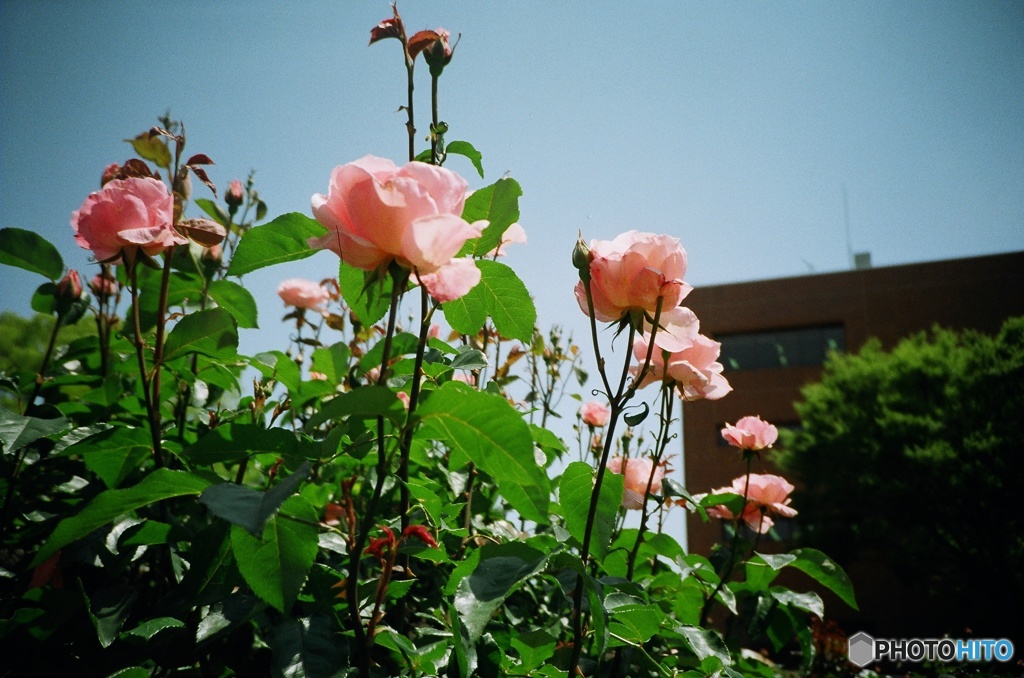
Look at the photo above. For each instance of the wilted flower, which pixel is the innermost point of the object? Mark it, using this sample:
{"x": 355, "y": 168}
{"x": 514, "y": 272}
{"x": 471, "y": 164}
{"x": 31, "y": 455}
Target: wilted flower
{"x": 636, "y": 473}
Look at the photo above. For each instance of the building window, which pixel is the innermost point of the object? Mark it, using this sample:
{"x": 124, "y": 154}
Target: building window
{"x": 780, "y": 348}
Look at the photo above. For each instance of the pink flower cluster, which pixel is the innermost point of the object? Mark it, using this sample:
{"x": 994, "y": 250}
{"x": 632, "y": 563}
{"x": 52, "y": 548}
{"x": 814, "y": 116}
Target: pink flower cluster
{"x": 766, "y": 494}
{"x": 377, "y": 213}
{"x": 630, "y": 278}
{"x": 636, "y": 474}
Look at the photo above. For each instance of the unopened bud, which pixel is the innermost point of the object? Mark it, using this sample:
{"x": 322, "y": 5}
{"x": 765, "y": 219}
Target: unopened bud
{"x": 103, "y": 286}
{"x": 69, "y": 289}
{"x": 581, "y": 258}
{"x": 439, "y": 53}
{"x": 234, "y": 196}
{"x": 110, "y": 173}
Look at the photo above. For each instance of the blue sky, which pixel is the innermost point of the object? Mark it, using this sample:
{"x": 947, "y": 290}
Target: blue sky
{"x": 734, "y": 126}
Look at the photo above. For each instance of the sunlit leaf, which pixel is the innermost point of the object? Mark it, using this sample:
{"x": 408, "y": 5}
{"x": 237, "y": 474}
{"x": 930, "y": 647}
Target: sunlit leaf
{"x": 211, "y": 333}
{"x": 30, "y": 251}
{"x": 574, "y": 492}
{"x": 283, "y": 239}
{"x": 237, "y": 301}
{"x": 502, "y": 296}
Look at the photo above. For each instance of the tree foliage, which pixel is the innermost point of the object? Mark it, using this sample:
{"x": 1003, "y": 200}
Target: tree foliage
{"x": 915, "y": 454}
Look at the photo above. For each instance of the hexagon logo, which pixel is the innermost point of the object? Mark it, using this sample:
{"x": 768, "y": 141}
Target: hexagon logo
{"x": 861, "y": 649}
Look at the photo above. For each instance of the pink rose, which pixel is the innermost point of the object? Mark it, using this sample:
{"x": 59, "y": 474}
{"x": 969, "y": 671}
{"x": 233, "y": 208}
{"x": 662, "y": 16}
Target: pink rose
{"x": 750, "y": 433}
{"x": 404, "y": 397}
{"x": 766, "y": 494}
{"x": 302, "y": 293}
{"x": 69, "y": 289}
{"x": 595, "y": 414}
{"x": 694, "y": 371}
{"x": 377, "y": 213}
{"x": 124, "y": 216}
{"x": 631, "y": 272}
{"x": 636, "y": 474}
{"x": 434, "y": 332}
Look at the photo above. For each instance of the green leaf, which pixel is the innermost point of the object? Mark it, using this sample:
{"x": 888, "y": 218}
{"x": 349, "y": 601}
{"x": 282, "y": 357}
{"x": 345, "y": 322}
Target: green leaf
{"x": 493, "y": 435}
{"x": 368, "y": 302}
{"x": 705, "y": 643}
{"x": 107, "y": 609}
{"x": 501, "y": 295}
{"x": 237, "y": 300}
{"x": 808, "y": 602}
{"x": 534, "y": 648}
{"x": 44, "y": 300}
{"x": 17, "y": 431}
{"x": 211, "y": 333}
{"x": 501, "y": 570}
{"x": 499, "y": 205}
{"x": 635, "y": 623}
{"x": 307, "y": 647}
{"x": 213, "y": 210}
{"x": 106, "y": 506}
{"x": 469, "y": 358}
{"x": 826, "y": 571}
{"x": 283, "y": 239}
{"x": 150, "y": 628}
{"x": 275, "y": 565}
{"x": 114, "y": 453}
{"x": 638, "y": 418}
{"x": 235, "y": 441}
{"x": 574, "y": 492}
{"x": 332, "y": 361}
{"x": 365, "y": 402}
{"x": 466, "y": 149}
{"x": 152, "y": 147}
{"x": 30, "y": 251}
{"x": 276, "y": 365}
{"x": 763, "y": 568}
{"x": 248, "y": 508}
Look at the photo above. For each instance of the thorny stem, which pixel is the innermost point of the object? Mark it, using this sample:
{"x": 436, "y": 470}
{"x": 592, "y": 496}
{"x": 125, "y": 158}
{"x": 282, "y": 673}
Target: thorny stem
{"x": 617, "y": 404}
{"x": 158, "y": 357}
{"x": 663, "y": 439}
{"x": 426, "y": 314}
{"x": 133, "y": 283}
{"x": 363, "y": 642}
{"x": 434, "y": 121}
{"x": 727, "y": 571}
{"x": 410, "y": 125}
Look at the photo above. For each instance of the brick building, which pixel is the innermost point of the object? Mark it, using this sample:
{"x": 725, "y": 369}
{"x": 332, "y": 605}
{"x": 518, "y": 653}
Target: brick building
{"x": 776, "y": 333}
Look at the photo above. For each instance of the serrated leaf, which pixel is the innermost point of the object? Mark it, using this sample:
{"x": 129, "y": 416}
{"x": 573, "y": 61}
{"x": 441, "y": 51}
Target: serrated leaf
{"x": 17, "y": 431}
{"x": 237, "y": 301}
{"x": 283, "y": 239}
{"x": 470, "y": 359}
{"x": 106, "y": 506}
{"x": 233, "y": 442}
{"x": 107, "y": 609}
{"x": 501, "y": 569}
{"x": 575, "y": 490}
{"x": 30, "y": 251}
{"x": 366, "y": 401}
{"x": 275, "y": 565}
{"x": 501, "y": 295}
{"x": 151, "y": 147}
{"x": 368, "y": 302}
{"x": 213, "y": 210}
{"x": 705, "y": 643}
{"x": 493, "y": 435}
{"x": 248, "y": 508}
{"x": 307, "y": 647}
{"x": 276, "y": 365}
{"x": 499, "y": 205}
{"x": 332, "y": 361}
{"x": 211, "y": 333}
{"x": 466, "y": 149}
{"x": 809, "y": 602}
{"x": 826, "y": 571}
{"x": 114, "y": 453}
{"x": 150, "y": 628}
{"x": 635, "y": 623}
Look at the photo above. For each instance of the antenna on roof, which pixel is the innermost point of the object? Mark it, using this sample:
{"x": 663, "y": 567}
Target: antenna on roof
{"x": 846, "y": 221}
